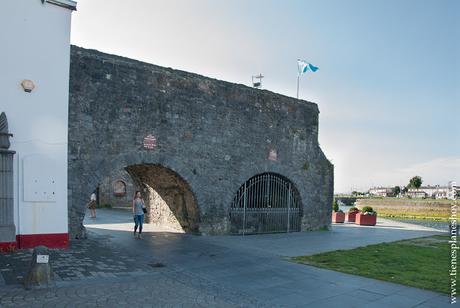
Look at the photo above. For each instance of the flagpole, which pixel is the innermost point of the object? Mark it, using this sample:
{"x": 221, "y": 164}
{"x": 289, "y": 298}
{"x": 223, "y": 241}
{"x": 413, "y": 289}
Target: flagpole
{"x": 306, "y": 66}
{"x": 298, "y": 77}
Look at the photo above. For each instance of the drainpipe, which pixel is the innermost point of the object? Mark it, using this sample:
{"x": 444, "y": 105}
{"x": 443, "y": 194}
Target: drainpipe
{"x": 17, "y": 199}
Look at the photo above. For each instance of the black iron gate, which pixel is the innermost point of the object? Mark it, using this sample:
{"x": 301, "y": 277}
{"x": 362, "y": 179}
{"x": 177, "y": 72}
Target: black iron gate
{"x": 266, "y": 203}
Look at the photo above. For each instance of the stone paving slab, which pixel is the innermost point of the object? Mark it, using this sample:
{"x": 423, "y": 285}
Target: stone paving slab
{"x": 91, "y": 258}
{"x": 153, "y": 290}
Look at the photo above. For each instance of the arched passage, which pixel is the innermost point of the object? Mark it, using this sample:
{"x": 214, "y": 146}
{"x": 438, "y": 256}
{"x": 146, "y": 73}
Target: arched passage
{"x": 169, "y": 199}
{"x": 266, "y": 203}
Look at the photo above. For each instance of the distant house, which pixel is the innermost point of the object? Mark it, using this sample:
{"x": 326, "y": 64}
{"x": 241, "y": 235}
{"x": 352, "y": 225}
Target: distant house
{"x": 416, "y": 193}
{"x": 435, "y": 192}
{"x": 430, "y": 191}
{"x": 381, "y": 191}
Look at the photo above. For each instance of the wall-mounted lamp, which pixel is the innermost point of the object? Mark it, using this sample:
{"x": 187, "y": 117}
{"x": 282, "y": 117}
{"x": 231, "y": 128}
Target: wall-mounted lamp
{"x": 27, "y": 85}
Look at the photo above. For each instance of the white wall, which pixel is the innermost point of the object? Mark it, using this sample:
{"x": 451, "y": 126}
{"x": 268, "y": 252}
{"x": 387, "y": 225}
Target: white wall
{"x": 35, "y": 45}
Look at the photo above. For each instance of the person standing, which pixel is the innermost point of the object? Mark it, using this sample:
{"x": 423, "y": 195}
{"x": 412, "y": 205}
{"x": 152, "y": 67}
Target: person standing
{"x": 92, "y": 205}
{"x": 138, "y": 213}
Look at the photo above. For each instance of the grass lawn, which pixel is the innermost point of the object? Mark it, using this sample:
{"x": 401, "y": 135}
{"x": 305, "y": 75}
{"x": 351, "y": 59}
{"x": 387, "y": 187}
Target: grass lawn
{"x": 422, "y": 263}
{"x": 413, "y": 215}
{"x": 427, "y": 209}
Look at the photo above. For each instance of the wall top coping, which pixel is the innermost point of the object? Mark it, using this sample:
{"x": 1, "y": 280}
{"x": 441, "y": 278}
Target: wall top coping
{"x": 120, "y": 60}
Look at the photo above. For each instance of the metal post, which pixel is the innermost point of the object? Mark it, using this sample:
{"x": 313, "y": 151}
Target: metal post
{"x": 298, "y": 78}
{"x": 289, "y": 207}
{"x": 244, "y": 208}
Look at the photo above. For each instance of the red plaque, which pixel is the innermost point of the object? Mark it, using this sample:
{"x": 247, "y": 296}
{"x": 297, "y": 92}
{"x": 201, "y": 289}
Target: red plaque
{"x": 150, "y": 142}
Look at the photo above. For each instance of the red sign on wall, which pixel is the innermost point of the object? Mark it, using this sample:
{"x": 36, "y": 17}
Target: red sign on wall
{"x": 150, "y": 142}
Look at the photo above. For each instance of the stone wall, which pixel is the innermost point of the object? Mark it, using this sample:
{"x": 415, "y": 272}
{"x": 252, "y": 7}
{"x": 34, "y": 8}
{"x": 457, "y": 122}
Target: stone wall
{"x": 212, "y": 135}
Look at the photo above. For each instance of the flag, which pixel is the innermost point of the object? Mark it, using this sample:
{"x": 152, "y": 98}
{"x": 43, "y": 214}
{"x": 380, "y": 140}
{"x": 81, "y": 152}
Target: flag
{"x": 304, "y": 67}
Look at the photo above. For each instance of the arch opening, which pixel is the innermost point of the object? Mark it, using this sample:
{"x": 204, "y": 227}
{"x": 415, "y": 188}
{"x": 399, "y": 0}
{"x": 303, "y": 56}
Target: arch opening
{"x": 115, "y": 190}
{"x": 119, "y": 188}
{"x": 266, "y": 203}
{"x": 169, "y": 200}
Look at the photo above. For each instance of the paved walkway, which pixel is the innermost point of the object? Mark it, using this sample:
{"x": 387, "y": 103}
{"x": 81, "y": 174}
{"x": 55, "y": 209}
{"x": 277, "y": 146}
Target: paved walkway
{"x": 169, "y": 289}
{"x": 173, "y": 270}
{"x": 342, "y": 236}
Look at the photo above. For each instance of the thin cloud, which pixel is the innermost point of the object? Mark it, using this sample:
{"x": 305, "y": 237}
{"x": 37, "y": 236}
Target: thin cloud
{"x": 435, "y": 171}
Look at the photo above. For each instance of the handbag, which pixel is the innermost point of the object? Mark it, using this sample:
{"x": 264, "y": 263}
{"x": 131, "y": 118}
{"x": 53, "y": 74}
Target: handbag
{"x": 144, "y": 210}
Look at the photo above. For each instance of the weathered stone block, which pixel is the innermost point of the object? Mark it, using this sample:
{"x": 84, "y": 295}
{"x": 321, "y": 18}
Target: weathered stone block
{"x": 40, "y": 274}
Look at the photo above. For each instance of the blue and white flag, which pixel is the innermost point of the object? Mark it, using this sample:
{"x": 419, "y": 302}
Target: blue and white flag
{"x": 304, "y": 67}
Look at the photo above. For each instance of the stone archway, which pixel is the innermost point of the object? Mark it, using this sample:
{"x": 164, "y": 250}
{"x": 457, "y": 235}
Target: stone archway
{"x": 169, "y": 199}
{"x": 195, "y": 133}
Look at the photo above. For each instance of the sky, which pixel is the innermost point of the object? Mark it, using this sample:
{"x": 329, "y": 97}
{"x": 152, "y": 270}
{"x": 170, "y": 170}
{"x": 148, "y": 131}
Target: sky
{"x": 388, "y": 84}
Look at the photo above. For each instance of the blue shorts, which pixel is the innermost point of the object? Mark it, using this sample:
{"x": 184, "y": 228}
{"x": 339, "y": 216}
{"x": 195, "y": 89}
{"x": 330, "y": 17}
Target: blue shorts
{"x": 139, "y": 219}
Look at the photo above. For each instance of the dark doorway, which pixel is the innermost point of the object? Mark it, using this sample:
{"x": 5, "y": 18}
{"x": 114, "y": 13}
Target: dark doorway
{"x": 266, "y": 203}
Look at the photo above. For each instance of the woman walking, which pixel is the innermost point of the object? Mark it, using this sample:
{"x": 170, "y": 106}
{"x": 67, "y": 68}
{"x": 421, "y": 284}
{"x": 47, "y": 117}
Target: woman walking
{"x": 92, "y": 205}
{"x": 138, "y": 213}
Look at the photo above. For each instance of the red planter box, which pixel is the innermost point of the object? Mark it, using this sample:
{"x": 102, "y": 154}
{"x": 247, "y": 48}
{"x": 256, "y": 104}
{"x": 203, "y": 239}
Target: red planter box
{"x": 338, "y": 217}
{"x": 366, "y": 220}
{"x": 351, "y": 217}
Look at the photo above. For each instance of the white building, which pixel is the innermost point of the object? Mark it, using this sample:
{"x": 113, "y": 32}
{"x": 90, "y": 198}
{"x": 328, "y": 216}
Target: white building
{"x": 381, "y": 191}
{"x": 429, "y": 191}
{"x": 435, "y": 192}
{"x": 416, "y": 193}
{"x": 34, "y": 94}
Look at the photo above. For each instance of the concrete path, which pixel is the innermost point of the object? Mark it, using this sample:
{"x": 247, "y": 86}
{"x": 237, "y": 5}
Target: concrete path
{"x": 342, "y": 236}
{"x": 235, "y": 271}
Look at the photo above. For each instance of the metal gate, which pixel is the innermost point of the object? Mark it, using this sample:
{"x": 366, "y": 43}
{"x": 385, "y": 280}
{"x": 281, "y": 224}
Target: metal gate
{"x": 266, "y": 203}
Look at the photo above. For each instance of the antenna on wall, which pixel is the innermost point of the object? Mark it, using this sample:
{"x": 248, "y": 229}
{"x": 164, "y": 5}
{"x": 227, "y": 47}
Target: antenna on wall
{"x": 258, "y": 81}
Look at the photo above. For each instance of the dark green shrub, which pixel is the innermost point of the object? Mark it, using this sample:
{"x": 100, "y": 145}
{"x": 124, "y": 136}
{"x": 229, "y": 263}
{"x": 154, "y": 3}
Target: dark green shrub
{"x": 368, "y": 209}
{"x": 335, "y": 206}
{"x": 353, "y": 209}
